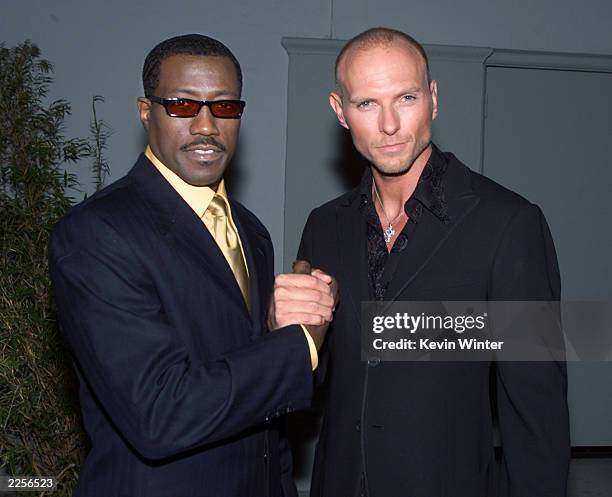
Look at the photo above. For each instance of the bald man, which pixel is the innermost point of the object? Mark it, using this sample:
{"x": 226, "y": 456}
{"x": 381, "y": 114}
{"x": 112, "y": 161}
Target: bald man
{"x": 421, "y": 226}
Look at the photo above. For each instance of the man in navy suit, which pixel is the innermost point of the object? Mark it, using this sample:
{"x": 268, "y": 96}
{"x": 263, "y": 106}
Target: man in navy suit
{"x": 162, "y": 284}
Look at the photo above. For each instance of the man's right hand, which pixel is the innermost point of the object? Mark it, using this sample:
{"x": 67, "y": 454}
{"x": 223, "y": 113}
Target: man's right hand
{"x": 308, "y": 298}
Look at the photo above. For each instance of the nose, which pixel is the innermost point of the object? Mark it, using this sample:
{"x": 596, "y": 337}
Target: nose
{"x": 389, "y": 121}
{"x": 204, "y": 123}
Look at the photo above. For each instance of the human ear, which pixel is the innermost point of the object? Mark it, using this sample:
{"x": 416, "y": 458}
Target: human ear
{"x": 144, "y": 109}
{"x": 335, "y": 101}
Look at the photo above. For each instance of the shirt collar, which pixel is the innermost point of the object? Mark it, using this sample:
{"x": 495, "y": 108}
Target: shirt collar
{"x": 197, "y": 197}
{"x": 429, "y": 192}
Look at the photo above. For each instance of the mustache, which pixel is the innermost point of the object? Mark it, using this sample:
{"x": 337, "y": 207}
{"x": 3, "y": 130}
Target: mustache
{"x": 206, "y": 141}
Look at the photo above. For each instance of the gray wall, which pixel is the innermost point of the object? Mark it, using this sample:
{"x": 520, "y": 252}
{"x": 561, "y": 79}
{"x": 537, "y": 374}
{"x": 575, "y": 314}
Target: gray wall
{"x": 98, "y": 48}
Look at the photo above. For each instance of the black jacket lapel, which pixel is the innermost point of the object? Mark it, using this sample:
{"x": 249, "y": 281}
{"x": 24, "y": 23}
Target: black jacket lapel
{"x": 431, "y": 231}
{"x": 254, "y": 252}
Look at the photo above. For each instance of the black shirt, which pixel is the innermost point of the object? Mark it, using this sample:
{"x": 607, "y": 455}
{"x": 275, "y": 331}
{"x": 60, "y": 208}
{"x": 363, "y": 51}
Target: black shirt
{"x": 429, "y": 194}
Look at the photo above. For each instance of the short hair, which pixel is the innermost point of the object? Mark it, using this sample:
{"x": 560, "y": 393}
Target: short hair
{"x": 376, "y": 37}
{"x": 191, "y": 44}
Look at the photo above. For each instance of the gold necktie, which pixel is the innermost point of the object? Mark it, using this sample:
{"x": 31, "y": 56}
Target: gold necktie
{"x": 227, "y": 240}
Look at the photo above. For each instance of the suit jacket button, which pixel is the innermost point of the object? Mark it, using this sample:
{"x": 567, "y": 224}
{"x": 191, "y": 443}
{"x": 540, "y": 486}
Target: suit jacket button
{"x": 373, "y": 362}
{"x": 358, "y": 427}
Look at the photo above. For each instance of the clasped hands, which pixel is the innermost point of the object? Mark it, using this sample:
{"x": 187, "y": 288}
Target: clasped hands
{"x": 307, "y": 297}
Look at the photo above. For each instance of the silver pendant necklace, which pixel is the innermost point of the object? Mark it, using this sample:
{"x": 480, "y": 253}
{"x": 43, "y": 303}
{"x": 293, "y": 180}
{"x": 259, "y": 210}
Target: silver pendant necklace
{"x": 389, "y": 231}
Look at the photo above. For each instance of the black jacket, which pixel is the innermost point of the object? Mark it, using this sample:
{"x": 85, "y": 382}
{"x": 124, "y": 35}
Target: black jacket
{"x": 425, "y": 429}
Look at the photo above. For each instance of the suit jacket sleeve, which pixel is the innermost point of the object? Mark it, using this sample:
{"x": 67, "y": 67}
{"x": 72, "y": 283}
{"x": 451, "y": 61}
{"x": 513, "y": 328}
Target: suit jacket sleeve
{"x": 305, "y": 253}
{"x": 160, "y": 398}
{"x": 531, "y": 397}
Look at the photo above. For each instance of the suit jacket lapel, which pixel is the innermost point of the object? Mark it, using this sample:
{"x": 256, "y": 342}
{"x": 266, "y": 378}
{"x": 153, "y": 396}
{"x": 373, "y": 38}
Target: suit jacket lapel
{"x": 181, "y": 226}
{"x": 431, "y": 232}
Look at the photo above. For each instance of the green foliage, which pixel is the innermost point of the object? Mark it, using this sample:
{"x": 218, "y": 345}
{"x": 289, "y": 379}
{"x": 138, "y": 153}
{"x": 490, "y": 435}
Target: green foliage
{"x": 40, "y": 429}
{"x": 100, "y": 132}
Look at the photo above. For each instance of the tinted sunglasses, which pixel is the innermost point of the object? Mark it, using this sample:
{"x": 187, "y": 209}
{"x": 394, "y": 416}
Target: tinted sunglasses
{"x": 186, "y": 107}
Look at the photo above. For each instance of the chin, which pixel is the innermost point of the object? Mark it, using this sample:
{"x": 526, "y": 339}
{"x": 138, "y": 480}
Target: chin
{"x": 393, "y": 169}
{"x": 211, "y": 175}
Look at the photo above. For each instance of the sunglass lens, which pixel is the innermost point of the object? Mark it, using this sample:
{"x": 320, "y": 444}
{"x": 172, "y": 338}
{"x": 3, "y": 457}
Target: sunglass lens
{"x": 226, "y": 108}
{"x": 183, "y": 108}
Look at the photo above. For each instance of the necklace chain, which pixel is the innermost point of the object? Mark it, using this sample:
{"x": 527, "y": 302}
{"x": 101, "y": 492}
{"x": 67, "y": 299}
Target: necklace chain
{"x": 389, "y": 231}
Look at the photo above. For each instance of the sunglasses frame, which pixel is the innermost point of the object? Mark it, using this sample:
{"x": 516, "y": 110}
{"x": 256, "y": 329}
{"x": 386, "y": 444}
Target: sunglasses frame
{"x": 165, "y": 102}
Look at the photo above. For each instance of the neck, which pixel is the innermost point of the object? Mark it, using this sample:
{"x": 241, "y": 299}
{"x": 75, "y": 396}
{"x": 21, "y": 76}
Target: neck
{"x": 395, "y": 191}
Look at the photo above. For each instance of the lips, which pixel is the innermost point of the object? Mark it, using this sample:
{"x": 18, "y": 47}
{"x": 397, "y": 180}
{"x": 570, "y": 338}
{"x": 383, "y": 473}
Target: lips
{"x": 204, "y": 154}
{"x": 393, "y": 147}
{"x": 204, "y": 150}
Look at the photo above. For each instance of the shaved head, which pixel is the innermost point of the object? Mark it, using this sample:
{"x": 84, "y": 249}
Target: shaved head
{"x": 386, "y": 99}
{"x": 377, "y": 37}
